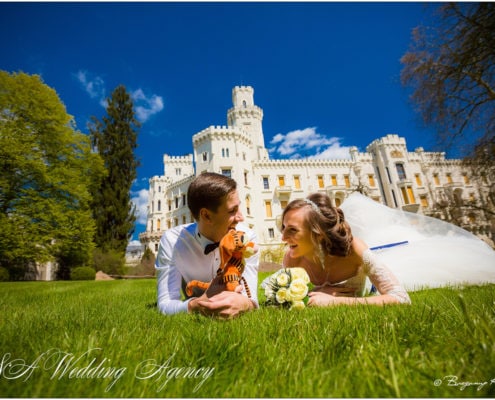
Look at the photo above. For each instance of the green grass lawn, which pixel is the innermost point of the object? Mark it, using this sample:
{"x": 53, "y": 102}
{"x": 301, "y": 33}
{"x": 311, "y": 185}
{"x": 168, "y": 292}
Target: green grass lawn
{"x": 106, "y": 339}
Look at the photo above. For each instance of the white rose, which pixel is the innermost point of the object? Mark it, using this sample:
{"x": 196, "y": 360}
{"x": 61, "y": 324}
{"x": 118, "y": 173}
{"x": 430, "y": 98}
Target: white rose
{"x": 269, "y": 292}
{"x": 299, "y": 273}
{"x": 298, "y": 289}
{"x": 283, "y": 279}
{"x": 298, "y": 305}
{"x": 281, "y": 295}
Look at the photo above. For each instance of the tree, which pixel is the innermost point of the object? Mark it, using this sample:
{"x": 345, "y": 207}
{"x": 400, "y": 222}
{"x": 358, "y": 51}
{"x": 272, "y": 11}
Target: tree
{"x": 451, "y": 67}
{"x": 47, "y": 168}
{"x": 115, "y": 139}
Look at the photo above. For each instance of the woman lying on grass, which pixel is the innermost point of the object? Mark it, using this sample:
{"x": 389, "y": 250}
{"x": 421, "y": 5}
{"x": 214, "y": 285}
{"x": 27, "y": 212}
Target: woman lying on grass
{"x": 321, "y": 242}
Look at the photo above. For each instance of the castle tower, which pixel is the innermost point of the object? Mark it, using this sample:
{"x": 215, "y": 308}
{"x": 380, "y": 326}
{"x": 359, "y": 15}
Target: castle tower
{"x": 247, "y": 116}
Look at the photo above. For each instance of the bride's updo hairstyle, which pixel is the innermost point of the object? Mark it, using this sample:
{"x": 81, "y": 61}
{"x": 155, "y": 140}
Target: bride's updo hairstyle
{"x": 327, "y": 224}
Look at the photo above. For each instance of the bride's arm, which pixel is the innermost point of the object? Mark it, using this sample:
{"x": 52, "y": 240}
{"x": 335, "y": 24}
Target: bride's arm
{"x": 389, "y": 287}
{"x": 391, "y": 291}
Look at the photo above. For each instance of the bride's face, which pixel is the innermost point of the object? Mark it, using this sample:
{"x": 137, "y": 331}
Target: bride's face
{"x": 296, "y": 233}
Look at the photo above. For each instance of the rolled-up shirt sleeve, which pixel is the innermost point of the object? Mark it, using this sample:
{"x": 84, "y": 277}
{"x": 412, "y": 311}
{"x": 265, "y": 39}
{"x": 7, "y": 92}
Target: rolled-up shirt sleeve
{"x": 168, "y": 281}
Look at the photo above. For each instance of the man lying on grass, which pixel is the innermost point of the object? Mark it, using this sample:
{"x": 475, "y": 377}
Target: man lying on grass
{"x": 190, "y": 252}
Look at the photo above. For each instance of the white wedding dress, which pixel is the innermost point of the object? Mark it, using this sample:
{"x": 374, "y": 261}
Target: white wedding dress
{"x": 436, "y": 253}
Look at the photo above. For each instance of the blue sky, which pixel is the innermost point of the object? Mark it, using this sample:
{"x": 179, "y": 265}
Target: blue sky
{"x": 323, "y": 73}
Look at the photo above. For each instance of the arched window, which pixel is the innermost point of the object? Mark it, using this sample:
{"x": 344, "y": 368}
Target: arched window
{"x": 244, "y": 104}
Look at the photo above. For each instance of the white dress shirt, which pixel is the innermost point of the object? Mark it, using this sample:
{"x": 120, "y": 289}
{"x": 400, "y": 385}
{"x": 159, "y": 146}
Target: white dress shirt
{"x": 181, "y": 256}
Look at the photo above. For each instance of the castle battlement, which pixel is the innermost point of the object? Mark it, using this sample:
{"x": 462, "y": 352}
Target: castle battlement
{"x": 187, "y": 158}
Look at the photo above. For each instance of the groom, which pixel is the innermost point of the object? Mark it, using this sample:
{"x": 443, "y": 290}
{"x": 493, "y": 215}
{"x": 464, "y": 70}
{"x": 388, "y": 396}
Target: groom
{"x": 190, "y": 252}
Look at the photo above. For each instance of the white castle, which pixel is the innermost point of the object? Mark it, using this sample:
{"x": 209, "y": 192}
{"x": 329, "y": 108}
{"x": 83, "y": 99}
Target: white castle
{"x": 387, "y": 172}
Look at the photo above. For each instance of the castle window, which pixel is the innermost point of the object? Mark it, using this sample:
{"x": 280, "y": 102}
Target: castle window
{"x": 158, "y": 223}
{"x": 424, "y": 201}
{"x": 388, "y": 176}
{"x": 159, "y": 205}
{"x": 297, "y": 182}
{"x": 321, "y": 183}
{"x": 281, "y": 180}
{"x": 271, "y": 233}
{"x": 419, "y": 182}
{"x": 436, "y": 179}
{"x": 401, "y": 171}
{"x": 283, "y": 204}
{"x": 244, "y": 104}
{"x": 176, "y": 222}
{"x": 371, "y": 180}
{"x": 347, "y": 181}
{"x": 178, "y": 171}
{"x": 183, "y": 199}
{"x": 159, "y": 189}
{"x": 176, "y": 202}
{"x": 205, "y": 156}
{"x": 408, "y": 195}
{"x": 266, "y": 185}
{"x": 466, "y": 179}
{"x": 268, "y": 208}
{"x": 245, "y": 178}
{"x": 334, "y": 180}
{"x": 227, "y": 172}
{"x": 248, "y": 205}
{"x": 449, "y": 178}
{"x": 183, "y": 219}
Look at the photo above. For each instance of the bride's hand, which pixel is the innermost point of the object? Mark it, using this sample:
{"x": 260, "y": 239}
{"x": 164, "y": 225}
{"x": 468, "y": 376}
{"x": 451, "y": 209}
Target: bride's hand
{"x": 321, "y": 299}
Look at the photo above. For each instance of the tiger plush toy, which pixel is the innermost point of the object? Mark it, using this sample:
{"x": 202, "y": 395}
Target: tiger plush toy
{"x": 233, "y": 251}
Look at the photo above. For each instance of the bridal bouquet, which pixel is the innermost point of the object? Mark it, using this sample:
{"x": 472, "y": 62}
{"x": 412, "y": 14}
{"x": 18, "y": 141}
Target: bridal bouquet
{"x": 288, "y": 287}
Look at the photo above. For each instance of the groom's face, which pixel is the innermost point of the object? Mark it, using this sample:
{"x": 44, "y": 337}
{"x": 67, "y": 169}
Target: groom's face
{"x": 227, "y": 215}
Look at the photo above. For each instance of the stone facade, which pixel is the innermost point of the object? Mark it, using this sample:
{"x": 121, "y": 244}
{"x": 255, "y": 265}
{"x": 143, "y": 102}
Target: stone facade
{"x": 417, "y": 181}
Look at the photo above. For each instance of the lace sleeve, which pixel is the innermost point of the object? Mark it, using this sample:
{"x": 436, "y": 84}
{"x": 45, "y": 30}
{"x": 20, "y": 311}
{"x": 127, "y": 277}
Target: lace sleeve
{"x": 383, "y": 279}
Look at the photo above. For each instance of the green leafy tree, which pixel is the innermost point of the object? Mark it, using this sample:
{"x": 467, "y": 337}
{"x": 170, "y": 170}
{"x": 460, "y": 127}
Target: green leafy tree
{"x": 47, "y": 169}
{"x": 115, "y": 139}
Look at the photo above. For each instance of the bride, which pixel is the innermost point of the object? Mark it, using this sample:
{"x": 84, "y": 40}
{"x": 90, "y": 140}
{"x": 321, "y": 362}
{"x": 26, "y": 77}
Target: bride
{"x": 408, "y": 251}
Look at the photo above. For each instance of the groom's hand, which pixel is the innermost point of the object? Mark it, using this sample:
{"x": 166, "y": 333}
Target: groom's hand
{"x": 216, "y": 301}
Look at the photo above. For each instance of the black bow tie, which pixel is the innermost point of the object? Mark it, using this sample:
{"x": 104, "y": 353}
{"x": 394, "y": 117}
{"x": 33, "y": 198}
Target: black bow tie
{"x": 210, "y": 247}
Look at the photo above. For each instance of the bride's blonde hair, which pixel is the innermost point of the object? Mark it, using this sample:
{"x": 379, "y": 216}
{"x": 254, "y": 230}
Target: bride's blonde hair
{"x": 329, "y": 230}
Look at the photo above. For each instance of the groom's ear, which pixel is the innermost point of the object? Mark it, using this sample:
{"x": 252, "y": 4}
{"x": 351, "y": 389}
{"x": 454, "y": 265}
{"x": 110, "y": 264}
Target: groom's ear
{"x": 205, "y": 215}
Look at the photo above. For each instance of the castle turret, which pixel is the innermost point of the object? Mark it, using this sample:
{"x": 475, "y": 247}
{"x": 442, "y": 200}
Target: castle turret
{"x": 247, "y": 116}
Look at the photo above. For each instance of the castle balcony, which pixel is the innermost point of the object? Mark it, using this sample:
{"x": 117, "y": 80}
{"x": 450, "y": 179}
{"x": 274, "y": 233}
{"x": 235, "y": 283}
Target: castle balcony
{"x": 282, "y": 191}
{"x": 414, "y": 208}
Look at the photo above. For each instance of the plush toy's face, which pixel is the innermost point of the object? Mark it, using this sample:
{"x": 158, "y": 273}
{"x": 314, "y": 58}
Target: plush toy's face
{"x": 232, "y": 241}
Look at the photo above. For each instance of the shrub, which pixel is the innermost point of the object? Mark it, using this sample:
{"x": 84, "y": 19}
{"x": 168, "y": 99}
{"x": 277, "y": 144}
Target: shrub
{"x": 4, "y": 274}
{"x": 83, "y": 274}
{"x": 110, "y": 262}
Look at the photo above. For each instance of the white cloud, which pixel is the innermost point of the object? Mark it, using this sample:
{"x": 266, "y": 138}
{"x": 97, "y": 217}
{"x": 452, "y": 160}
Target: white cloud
{"x": 94, "y": 86}
{"x": 140, "y": 199}
{"x": 146, "y": 106}
{"x": 309, "y": 144}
